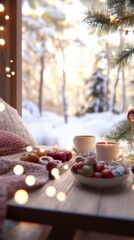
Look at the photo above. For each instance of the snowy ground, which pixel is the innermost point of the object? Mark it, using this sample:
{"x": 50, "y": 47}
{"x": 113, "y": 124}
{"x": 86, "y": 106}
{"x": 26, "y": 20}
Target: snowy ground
{"x": 50, "y": 129}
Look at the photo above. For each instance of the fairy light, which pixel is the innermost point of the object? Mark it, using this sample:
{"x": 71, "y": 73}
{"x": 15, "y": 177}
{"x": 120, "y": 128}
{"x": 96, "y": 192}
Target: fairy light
{"x": 29, "y": 148}
{"x": 2, "y": 8}
{"x": 133, "y": 187}
{"x": 21, "y": 196}
{"x": 30, "y": 180}
{"x": 11, "y": 61}
{"x": 18, "y": 169}
{"x": 61, "y": 196}
{"x": 2, "y": 41}
{"x": 65, "y": 166}
{"x": 1, "y": 28}
{"x": 55, "y": 173}
{"x": 12, "y": 73}
{"x": 7, "y": 17}
{"x": 50, "y": 191}
{"x": 7, "y": 69}
{"x": 2, "y": 107}
{"x": 42, "y": 150}
{"x": 8, "y": 75}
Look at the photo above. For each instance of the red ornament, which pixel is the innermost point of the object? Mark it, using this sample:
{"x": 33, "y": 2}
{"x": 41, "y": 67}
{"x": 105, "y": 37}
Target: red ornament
{"x": 130, "y": 115}
{"x": 126, "y": 32}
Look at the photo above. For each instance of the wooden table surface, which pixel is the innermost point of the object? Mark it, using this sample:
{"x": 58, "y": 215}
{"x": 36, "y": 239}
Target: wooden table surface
{"x": 104, "y": 210}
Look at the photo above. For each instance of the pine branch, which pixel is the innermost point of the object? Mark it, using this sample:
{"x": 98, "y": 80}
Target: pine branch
{"x": 121, "y": 131}
{"x": 122, "y": 57}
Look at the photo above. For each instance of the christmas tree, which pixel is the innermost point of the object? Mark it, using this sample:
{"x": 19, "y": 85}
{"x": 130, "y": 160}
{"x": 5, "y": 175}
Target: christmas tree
{"x": 95, "y": 97}
{"x": 117, "y": 15}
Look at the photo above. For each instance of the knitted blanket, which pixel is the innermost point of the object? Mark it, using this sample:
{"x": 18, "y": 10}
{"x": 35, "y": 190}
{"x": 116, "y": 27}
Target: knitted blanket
{"x": 10, "y": 182}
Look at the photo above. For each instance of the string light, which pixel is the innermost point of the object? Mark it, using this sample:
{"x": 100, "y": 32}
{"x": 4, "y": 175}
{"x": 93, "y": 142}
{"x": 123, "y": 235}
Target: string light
{"x": 7, "y": 17}
{"x": 50, "y": 191}
{"x": 61, "y": 196}
{"x": 7, "y": 69}
{"x": 1, "y": 28}
{"x": 2, "y": 41}
{"x": 21, "y": 196}
{"x": 2, "y": 7}
{"x": 18, "y": 169}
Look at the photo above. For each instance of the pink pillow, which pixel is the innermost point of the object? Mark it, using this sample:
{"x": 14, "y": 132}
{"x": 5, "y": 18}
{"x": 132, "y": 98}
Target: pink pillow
{"x": 10, "y": 143}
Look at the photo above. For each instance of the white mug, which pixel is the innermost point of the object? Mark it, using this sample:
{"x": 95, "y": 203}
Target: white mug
{"x": 84, "y": 143}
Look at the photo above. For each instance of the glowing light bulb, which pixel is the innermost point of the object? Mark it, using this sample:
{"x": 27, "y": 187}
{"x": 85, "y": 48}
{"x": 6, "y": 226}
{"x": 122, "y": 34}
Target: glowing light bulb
{"x": 50, "y": 191}
{"x": 21, "y": 196}
{"x": 29, "y": 148}
{"x": 2, "y": 7}
{"x": 7, "y": 69}
{"x": 13, "y": 73}
{"x": 11, "y": 61}
{"x": 61, "y": 196}
{"x": 65, "y": 166}
{"x": 9, "y": 75}
{"x": 18, "y": 169}
{"x": 30, "y": 180}
{"x": 55, "y": 173}
{"x": 1, "y": 28}
{"x": 2, "y": 41}
{"x": 2, "y": 107}
{"x": 7, "y": 17}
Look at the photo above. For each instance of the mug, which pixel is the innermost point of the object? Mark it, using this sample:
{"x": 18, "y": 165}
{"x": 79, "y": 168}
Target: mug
{"x": 84, "y": 143}
{"x": 107, "y": 151}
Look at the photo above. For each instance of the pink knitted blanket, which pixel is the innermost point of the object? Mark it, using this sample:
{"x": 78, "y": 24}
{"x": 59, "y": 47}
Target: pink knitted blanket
{"x": 10, "y": 183}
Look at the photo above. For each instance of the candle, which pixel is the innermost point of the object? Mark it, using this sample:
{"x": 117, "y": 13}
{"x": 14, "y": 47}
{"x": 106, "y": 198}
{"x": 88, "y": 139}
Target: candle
{"x": 107, "y": 151}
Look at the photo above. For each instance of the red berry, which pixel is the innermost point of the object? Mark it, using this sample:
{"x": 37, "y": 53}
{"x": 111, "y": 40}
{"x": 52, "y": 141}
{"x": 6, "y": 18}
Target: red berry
{"x": 60, "y": 156}
{"x": 107, "y": 173}
{"x": 68, "y": 155}
{"x": 50, "y": 165}
{"x": 77, "y": 166}
{"x": 99, "y": 167}
{"x": 51, "y": 154}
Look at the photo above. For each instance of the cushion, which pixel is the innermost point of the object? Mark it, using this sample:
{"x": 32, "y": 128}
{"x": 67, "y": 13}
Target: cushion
{"x": 11, "y": 121}
{"x": 10, "y": 143}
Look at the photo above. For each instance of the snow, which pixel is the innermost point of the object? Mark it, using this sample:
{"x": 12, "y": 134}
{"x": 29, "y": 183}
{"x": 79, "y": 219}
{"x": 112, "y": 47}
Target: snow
{"x": 49, "y": 128}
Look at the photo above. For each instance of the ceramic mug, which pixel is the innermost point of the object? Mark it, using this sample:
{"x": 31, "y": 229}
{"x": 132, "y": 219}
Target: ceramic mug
{"x": 107, "y": 151}
{"x": 84, "y": 143}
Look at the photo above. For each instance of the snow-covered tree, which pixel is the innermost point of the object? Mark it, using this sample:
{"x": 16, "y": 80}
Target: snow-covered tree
{"x": 96, "y": 97}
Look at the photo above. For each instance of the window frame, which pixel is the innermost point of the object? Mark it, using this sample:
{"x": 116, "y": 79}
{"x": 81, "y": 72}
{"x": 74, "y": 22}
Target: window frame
{"x": 11, "y": 88}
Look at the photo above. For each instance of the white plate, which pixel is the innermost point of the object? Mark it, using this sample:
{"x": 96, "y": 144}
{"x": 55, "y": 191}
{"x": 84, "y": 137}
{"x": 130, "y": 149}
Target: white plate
{"x": 100, "y": 182}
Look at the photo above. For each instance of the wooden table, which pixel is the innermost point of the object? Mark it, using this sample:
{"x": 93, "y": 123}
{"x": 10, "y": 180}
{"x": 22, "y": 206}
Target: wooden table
{"x": 107, "y": 210}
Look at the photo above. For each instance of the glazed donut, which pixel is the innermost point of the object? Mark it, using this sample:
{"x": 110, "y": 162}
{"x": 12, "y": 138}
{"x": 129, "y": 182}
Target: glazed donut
{"x": 29, "y": 157}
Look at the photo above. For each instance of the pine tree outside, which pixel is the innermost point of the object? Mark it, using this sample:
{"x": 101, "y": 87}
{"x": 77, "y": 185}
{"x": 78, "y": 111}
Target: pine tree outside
{"x": 60, "y": 56}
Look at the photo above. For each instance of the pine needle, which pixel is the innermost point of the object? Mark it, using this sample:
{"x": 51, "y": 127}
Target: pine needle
{"x": 120, "y": 131}
{"x": 122, "y": 57}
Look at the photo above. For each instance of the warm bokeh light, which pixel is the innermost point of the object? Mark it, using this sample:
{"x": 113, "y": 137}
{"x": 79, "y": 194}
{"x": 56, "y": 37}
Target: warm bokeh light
{"x": 2, "y": 41}
{"x": 7, "y": 17}
{"x": 21, "y": 196}
{"x": 29, "y": 148}
{"x": 42, "y": 149}
{"x": 1, "y": 28}
{"x": 50, "y": 191}
{"x": 2, "y": 107}
{"x": 2, "y": 7}
{"x": 30, "y": 180}
{"x": 133, "y": 187}
{"x": 18, "y": 169}
{"x": 9, "y": 75}
{"x": 55, "y": 173}
{"x": 13, "y": 73}
{"x": 61, "y": 196}
{"x": 7, "y": 69}
{"x": 65, "y": 166}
